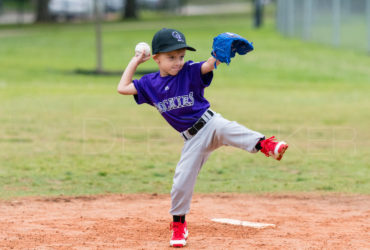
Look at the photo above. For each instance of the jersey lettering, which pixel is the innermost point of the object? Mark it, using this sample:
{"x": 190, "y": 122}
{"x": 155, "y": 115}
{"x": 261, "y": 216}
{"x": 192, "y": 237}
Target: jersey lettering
{"x": 175, "y": 103}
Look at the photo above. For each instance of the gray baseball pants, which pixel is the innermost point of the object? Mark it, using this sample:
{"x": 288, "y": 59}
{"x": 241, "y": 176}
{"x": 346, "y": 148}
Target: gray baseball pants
{"x": 216, "y": 132}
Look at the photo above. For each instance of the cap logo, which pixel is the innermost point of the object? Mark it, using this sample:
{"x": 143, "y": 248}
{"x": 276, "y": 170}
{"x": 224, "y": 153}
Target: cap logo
{"x": 177, "y": 36}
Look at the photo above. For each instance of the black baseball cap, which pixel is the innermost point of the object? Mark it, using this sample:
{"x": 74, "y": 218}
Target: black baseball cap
{"x": 167, "y": 40}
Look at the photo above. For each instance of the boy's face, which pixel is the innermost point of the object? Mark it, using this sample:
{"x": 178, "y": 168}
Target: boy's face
{"x": 170, "y": 63}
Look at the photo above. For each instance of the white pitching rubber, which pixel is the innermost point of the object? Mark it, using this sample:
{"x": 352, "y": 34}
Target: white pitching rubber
{"x": 243, "y": 223}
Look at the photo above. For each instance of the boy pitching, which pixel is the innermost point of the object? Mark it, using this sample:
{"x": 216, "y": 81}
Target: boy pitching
{"x": 177, "y": 91}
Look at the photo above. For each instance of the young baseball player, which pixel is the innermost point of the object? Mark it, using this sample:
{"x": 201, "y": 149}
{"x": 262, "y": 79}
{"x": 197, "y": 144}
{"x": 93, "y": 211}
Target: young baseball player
{"x": 176, "y": 90}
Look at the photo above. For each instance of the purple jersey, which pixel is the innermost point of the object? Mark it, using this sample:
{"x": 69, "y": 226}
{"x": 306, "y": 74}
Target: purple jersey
{"x": 180, "y": 98}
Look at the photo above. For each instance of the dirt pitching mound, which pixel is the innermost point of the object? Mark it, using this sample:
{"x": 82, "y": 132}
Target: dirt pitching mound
{"x": 303, "y": 221}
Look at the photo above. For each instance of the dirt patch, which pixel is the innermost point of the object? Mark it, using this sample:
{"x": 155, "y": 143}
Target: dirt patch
{"x": 303, "y": 221}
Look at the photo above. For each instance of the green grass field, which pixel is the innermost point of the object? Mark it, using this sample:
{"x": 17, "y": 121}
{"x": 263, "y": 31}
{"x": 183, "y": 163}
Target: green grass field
{"x": 64, "y": 133}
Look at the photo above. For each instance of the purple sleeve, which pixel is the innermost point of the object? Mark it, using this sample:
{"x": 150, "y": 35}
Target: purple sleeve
{"x": 206, "y": 79}
{"x": 142, "y": 93}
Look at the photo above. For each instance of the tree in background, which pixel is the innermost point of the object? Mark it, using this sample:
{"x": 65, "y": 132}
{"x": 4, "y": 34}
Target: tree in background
{"x": 130, "y": 10}
{"x": 258, "y": 13}
{"x": 1, "y": 6}
{"x": 42, "y": 11}
{"x": 98, "y": 11}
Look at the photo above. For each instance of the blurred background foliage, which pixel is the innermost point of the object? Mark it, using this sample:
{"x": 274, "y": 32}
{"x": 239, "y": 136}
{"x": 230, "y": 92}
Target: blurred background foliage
{"x": 72, "y": 10}
{"x": 344, "y": 23}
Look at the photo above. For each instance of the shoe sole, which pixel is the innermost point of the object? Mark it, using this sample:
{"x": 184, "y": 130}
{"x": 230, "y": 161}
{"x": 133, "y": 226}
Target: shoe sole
{"x": 281, "y": 151}
{"x": 178, "y": 245}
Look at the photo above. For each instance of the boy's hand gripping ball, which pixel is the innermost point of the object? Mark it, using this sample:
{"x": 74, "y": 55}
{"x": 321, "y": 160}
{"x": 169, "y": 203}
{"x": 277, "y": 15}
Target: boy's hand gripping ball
{"x": 142, "y": 47}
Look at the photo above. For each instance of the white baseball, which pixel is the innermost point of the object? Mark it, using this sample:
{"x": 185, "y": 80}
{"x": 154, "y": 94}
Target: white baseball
{"x": 140, "y": 47}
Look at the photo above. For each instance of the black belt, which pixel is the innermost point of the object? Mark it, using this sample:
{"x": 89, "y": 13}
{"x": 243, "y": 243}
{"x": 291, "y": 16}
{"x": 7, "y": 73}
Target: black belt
{"x": 193, "y": 130}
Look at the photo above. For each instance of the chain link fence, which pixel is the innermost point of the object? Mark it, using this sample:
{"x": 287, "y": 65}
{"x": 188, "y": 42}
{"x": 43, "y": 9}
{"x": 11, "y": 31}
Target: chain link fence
{"x": 338, "y": 22}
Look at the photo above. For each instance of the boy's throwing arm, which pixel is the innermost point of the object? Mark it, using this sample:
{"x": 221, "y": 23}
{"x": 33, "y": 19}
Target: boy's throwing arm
{"x": 125, "y": 85}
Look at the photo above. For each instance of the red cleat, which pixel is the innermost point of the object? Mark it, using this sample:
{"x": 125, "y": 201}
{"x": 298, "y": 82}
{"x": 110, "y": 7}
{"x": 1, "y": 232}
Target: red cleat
{"x": 270, "y": 147}
{"x": 179, "y": 234}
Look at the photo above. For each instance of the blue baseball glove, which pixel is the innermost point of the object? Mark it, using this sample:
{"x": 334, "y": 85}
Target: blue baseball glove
{"x": 225, "y": 45}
